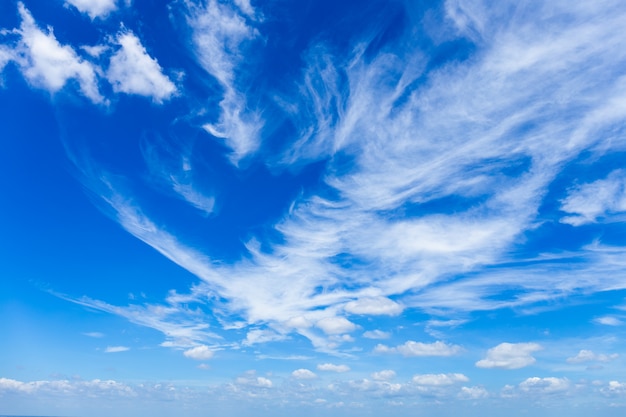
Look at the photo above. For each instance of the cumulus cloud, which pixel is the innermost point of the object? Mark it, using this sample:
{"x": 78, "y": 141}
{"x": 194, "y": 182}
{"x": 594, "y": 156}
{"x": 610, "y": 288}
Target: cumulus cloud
{"x": 509, "y": 356}
{"x": 473, "y": 393}
{"x": 48, "y": 64}
{"x": 132, "y": 71}
{"x": 94, "y": 388}
{"x": 585, "y": 355}
{"x": 376, "y": 334}
{"x": 251, "y": 380}
{"x": 115, "y": 349}
{"x": 333, "y": 368}
{"x": 94, "y": 8}
{"x": 385, "y": 375}
{"x": 199, "y": 353}
{"x": 336, "y": 325}
{"x": 412, "y": 348}
{"x": 589, "y": 202}
{"x": 439, "y": 379}
{"x": 374, "y": 306}
{"x": 303, "y": 374}
{"x": 545, "y": 385}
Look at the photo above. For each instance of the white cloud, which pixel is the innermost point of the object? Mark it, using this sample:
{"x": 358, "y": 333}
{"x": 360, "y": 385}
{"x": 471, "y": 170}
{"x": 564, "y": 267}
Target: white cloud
{"x": 545, "y": 385}
{"x": 412, "y": 348}
{"x": 133, "y": 71}
{"x": 219, "y": 31}
{"x": 333, "y": 368}
{"x": 199, "y": 353}
{"x": 96, "y": 335}
{"x": 473, "y": 393}
{"x": 376, "y": 334}
{"x": 93, "y": 388}
{"x": 458, "y": 136}
{"x": 609, "y": 321}
{"x": 251, "y": 380}
{"x": 47, "y": 64}
{"x": 585, "y": 355}
{"x": 374, "y": 306}
{"x": 335, "y": 325}
{"x": 509, "y": 356}
{"x": 303, "y": 374}
{"x": 115, "y": 349}
{"x": 385, "y": 375}
{"x": 591, "y": 201}
{"x": 94, "y": 8}
{"x": 439, "y": 379}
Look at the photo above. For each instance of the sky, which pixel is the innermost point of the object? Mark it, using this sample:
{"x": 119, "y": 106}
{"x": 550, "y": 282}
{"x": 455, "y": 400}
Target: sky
{"x": 341, "y": 208}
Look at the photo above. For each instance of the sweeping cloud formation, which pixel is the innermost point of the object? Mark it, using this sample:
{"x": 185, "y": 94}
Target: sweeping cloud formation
{"x": 317, "y": 200}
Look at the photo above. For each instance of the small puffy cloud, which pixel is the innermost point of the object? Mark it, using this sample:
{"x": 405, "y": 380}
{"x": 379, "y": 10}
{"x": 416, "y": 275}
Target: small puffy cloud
{"x": 94, "y": 8}
{"x": 336, "y": 325}
{"x": 199, "y": 353}
{"x": 439, "y": 379}
{"x": 332, "y": 367}
{"x": 384, "y": 375}
{"x": 303, "y": 374}
{"x": 473, "y": 393}
{"x": 376, "y": 334}
{"x": 509, "y": 356}
{"x": 115, "y": 349}
{"x": 544, "y": 385}
{"x": 588, "y": 356}
{"x": 374, "y": 306}
{"x": 412, "y": 348}
{"x": 608, "y": 321}
{"x": 47, "y": 64}
{"x": 615, "y": 387}
{"x": 590, "y": 201}
{"x": 251, "y": 380}
{"x": 133, "y": 71}
{"x": 96, "y": 335}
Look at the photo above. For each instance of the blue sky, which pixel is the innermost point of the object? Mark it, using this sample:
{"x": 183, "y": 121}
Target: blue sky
{"x": 313, "y": 207}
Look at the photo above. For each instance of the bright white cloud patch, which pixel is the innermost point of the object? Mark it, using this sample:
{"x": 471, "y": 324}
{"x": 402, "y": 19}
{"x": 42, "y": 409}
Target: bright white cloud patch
{"x": 385, "y": 375}
{"x": 609, "y": 321}
{"x": 219, "y": 31}
{"x": 509, "y": 356}
{"x": 336, "y": 325}
{"x": 333, "y": 368}
{"x": 376, "y": 334}
{"x": 589, "y": 356}
{"x": 94, "y": 8}
{"x": 589, "y": 202}
{"x": 545, "y": 385}
{"x": 303, "y": 374}
{"x": 133, "y": 71}
{"x": 115, "y": 349}
{"x": 439, "y": 379}
{"x": 412, "y": 348}
{"x": 47, "y": 64}
{"x": 199, "y": 353}
{"x": 374, "y": 307}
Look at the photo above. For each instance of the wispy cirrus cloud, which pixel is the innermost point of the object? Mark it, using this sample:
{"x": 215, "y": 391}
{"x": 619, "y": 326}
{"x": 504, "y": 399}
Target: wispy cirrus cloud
{"x": 116, "y": 349}
{"x": 487, "y": 135}
{"x": 219, "y": 32}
